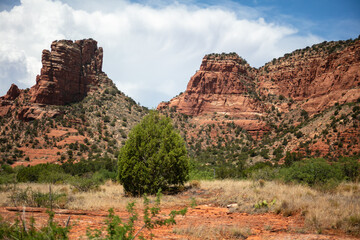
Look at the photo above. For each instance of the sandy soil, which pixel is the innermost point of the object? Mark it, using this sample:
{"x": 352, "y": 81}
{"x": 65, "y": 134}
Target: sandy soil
{"x": 201, "y": 222}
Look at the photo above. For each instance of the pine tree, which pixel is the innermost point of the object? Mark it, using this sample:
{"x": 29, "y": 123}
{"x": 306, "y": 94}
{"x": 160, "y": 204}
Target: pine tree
{"x": 153, "y": 157}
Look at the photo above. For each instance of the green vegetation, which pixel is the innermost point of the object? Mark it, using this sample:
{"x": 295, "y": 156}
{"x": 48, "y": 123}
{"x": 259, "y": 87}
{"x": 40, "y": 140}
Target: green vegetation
{"x": 117, "y": 229}
{"x": 154, "y": 157}
{"x": 84, "y": 175}
{"x": 19, "y": 230}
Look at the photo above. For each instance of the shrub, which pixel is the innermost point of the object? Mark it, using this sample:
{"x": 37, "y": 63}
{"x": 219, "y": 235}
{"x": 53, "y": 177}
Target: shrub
{"x": 154, "y": 157}
{"x": 311, "y": 172}
{"x": 45, "y": 172}
{"x": 30, "y": 198}
{"x": 117, "y": 229}
{"x": 18, "y": 230}
{"x": 350, "y": 167}
{"x": 292, "y": 157}
{"x": 82, "y": 184}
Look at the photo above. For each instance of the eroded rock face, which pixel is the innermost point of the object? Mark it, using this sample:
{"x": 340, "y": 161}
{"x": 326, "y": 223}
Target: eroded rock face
{"x": 68, "y": 72}
{"x": 12, "y": 93}
{"x": 319, "y": 79}
{"x": 224, "y": 84}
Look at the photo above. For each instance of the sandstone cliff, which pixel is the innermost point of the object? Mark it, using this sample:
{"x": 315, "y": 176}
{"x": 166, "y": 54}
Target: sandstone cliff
{"x": 39, "y": 125}
{"x": 282, "y": 103}
{"x": 316, "y": 77}
{"x": 224, "y": 85}
{"x": 68, "y": 72}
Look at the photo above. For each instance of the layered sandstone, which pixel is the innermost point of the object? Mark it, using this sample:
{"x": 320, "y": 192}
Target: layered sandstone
{"x": 224, "y": 84}
{"x": 68, "y": 72}
{"x": 315, "y": 77}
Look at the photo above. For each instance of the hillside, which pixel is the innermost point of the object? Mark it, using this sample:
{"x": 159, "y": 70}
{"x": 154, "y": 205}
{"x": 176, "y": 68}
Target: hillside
{"x": 307, "y": 101}
{"x": 73, "y": 112}
{"x": 231, "y": 113}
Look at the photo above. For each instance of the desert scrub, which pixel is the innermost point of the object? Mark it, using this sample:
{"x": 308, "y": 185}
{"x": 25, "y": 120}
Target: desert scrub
{"x": 29, "y": 197}
{"x": 23, "y": 230}
{"x": 117, "y": 229}
{"x": 214, "y": 233}
{"x": 322, "y": 209}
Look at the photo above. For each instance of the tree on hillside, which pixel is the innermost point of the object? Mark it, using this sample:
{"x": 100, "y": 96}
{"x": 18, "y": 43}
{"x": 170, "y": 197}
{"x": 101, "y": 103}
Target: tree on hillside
{"x": 153, "y": 157}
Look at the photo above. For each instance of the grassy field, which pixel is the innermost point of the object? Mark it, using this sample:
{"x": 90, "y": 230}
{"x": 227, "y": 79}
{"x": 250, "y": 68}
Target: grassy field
{"x": 338, "y": 208}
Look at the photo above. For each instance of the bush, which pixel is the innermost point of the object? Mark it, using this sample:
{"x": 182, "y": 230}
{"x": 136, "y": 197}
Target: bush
{"x": 292, "y": 157}
{"x": 117, "y": 229}
{"x": 312, "y": 171}
{"x": 154, "y": 157}
{"x": 44, "y": 172}
{"x": 350, "y": 168}
{"x": 18, "y": 230}
{"x": 82, "y": 184}
{"x": 28, "y": 197}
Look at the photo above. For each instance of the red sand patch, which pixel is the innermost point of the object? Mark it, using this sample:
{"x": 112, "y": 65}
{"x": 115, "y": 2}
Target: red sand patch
{"x": 262, "y": 226}
{"x": 38, "y": 156}
{"x": 61, "y": 131}
{"x": 71, "y": 139}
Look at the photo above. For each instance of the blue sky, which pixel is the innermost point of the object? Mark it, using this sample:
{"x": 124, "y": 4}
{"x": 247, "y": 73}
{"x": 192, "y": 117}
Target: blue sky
{"x": 153, "y": 47}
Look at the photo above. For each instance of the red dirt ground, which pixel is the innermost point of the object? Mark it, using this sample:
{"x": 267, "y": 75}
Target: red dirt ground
{"x": 260, "y": 226}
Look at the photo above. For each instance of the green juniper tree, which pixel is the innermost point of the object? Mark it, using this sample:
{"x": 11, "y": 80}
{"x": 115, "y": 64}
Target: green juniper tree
{"x": 154, "y": 157}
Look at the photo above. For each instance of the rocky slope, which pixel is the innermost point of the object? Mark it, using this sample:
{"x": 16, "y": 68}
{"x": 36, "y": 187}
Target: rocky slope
{"x": 316, "y": 77}
{"x": 306, "y": 101}
{"x": 73, "y": 112}
{"x": 224, "y": 86}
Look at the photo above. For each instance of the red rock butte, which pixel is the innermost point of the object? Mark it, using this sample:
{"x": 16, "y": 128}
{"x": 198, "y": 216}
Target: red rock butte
{"x": 68, "y": 72}
{"x": 315, "y": 77}
{"x": 223, "y": 85}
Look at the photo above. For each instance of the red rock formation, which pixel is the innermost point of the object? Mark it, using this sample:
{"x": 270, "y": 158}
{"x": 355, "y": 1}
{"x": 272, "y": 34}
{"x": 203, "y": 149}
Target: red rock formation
{"x": 13, "y": 93}
{"x": 317, "y": 78}
{"x": 224, "y": 84}
{"x": 68, "y": 71}
{"x": 6, "y": 102}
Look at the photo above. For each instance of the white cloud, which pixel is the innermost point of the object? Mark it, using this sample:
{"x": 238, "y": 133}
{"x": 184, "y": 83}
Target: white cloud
{"x": 149, "y": 52}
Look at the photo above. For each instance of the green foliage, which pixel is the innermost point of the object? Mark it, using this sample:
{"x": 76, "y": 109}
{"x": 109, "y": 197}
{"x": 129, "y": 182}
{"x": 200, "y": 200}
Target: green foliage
{"x": 256, "y": 167}
{"x": 117, "y": 229}
{"x": 299, "y": 134}
{"x": 197, "y": 172}
{"x": 292, "y": 157}
{"x": 19, "y": 230}
{"x": 353, "y": 224}
{"x": 264, "y": 204}
{"x": 312, "y": 171}
{"x": 264, "y": 153}
{"x": 84, "y": 175}
{"x": 304, "y": 114}
{"x": 84, "y": 184}
{"x": 230, "y": 171}
{"x": 30, "y": 198}
{"x": 350, "y": 167}
{"x": 154, "y": 157}
{"x": 39, "y": 172}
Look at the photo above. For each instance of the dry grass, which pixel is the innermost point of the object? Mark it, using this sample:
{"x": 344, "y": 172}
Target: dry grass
{"x": 339, "y": 209}
{"x": 108, "y": 195}
{"x": 207, "y": 232}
